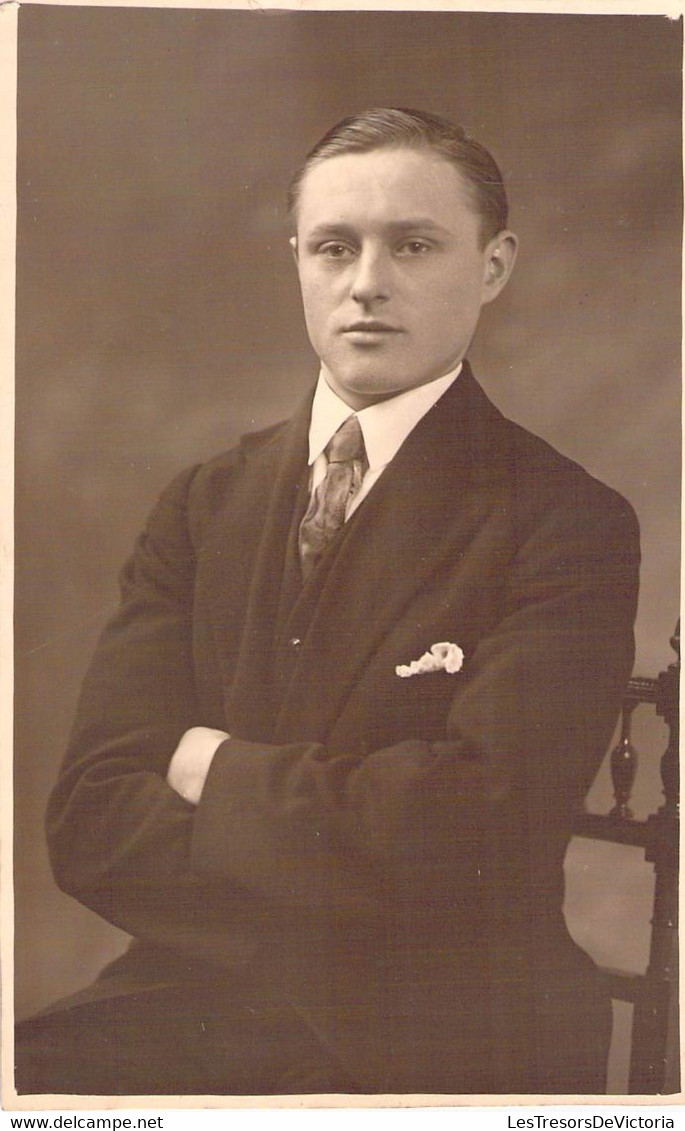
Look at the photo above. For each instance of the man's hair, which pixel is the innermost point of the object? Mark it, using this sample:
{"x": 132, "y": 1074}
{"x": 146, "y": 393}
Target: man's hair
{"x": 389, "y": 128}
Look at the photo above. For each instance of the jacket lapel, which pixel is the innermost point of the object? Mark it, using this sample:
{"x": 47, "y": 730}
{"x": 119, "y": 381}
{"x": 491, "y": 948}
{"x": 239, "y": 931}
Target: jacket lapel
{"x": 427, "y": 507}
{"x": 245, "y": 572}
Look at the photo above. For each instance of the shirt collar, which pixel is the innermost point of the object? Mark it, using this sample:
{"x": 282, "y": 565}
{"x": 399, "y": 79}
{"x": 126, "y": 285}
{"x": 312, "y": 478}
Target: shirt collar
{"x": 385, "y": 425}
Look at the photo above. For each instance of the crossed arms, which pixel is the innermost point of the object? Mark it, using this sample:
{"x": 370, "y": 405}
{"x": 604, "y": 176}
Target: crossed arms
{"x": 308, "y": 824}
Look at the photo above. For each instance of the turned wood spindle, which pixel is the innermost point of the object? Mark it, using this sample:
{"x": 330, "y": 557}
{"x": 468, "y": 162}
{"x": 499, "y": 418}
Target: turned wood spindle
{"x": 624, "y": 766}
{"x": 667, "y": 706}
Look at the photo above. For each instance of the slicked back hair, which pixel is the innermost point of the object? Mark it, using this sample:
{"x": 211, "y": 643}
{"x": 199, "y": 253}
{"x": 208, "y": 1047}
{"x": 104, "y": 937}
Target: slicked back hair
{"x": 389, "y": 128}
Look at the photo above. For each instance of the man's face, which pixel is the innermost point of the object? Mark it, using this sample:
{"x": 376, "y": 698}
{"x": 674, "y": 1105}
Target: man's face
{"x": 392, "y": 269}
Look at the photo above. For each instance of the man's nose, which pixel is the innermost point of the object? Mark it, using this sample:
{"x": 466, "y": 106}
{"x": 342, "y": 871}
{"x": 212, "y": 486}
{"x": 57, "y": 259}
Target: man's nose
{"x": 371, "y": 281}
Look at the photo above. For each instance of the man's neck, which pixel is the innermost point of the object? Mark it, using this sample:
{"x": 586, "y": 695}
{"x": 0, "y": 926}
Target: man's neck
{"x": 358, "y": 401}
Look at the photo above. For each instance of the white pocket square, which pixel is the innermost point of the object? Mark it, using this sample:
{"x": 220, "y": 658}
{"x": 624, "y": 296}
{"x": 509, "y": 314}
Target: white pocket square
{"x": 443, "y": 657}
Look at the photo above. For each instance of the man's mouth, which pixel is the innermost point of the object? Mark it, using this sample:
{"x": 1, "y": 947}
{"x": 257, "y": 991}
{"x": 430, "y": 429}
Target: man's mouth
{"x": 371, "y": 327}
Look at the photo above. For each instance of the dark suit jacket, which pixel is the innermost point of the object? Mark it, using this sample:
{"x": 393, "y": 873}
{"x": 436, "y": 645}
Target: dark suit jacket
{"x": 384, "y": 853}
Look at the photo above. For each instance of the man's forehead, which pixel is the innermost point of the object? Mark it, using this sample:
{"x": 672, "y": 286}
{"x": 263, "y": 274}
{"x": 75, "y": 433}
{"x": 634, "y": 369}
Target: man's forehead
{"x": 385, "y": 164}
{"x": 400, "y": 185}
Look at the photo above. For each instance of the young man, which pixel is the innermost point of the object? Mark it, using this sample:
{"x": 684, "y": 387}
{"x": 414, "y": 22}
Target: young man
{"x": 365, "y": 667}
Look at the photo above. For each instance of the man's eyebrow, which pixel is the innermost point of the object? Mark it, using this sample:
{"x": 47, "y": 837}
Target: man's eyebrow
{"x": 424, "y": 223}
{"x": 322, "y": 231}
{"x": 394, "y": 227}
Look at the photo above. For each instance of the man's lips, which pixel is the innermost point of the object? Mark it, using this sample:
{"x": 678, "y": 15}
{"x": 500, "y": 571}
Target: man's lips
{"x": 372, "y": 327}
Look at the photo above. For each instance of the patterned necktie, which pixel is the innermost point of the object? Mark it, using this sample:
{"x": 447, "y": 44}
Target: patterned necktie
{"x": 326, "y": 511}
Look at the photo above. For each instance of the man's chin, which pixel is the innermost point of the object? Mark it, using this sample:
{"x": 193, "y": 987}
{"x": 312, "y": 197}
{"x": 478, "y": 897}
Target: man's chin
{"x": 360, "y": 391}
{"x": 372, "y": 378}
{"x": 360, "y": 388}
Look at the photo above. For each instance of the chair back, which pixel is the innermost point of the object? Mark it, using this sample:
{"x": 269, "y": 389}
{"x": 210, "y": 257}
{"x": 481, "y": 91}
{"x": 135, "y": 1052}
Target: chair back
{"x": 654, "y": 1061}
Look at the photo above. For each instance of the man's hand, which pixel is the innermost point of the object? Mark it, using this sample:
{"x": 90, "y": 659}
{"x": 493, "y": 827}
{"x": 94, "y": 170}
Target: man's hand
{"x": 191, "y": 760}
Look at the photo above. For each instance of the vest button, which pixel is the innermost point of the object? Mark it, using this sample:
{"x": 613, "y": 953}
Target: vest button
{"x": 294, "y": 643}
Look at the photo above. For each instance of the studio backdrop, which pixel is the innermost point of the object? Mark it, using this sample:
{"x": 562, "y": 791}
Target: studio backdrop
{"x": 159, "y": 317}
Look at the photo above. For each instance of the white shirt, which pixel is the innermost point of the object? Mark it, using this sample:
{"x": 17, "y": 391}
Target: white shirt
{"x": 385, "y": 426}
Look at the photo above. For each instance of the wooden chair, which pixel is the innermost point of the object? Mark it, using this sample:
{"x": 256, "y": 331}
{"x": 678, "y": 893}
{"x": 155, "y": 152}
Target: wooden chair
{"x": 654, "y": 1057}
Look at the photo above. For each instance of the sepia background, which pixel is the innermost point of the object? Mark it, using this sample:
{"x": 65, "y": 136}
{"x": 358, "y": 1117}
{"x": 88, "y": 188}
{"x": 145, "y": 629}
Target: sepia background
{"x": 159, "y": 318}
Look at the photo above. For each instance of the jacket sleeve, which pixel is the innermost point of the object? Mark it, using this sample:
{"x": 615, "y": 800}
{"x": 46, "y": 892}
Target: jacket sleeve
{"x": 530, "y": 720}
{"x": 301, "y": 826}
{"x": 119, "y": 836}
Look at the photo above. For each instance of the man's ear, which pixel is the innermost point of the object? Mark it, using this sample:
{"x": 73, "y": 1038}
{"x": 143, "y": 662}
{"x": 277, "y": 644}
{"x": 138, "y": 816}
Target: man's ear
{"x": 499, "y": 258}
{"x": 293, "y": 247}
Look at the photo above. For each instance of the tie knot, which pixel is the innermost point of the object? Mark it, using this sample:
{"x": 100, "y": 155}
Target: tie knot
{"x": 347, "y": 443}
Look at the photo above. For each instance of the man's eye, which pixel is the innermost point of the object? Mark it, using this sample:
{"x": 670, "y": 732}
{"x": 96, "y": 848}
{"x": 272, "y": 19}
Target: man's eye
{"x": 335, "y": 250}
{"x": 414, "y": 247}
